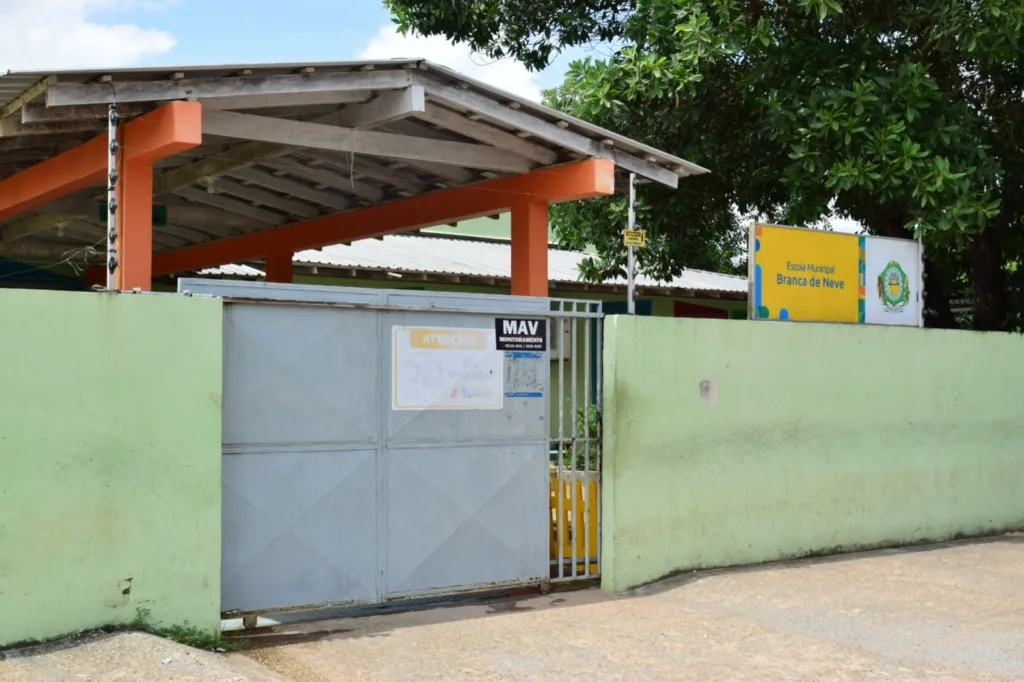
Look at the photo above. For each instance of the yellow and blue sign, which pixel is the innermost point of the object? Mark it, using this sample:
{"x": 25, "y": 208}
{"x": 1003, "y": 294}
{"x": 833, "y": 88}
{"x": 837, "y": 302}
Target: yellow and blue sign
{"x": 806, "y": 275}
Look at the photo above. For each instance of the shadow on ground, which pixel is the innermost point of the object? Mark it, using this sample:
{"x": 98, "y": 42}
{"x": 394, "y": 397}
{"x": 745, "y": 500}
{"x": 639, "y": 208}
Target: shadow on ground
{"x": 311, "y": 627}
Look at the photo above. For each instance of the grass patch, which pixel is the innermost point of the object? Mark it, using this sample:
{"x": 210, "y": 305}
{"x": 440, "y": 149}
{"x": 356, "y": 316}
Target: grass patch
{"x": 186, "y": 634}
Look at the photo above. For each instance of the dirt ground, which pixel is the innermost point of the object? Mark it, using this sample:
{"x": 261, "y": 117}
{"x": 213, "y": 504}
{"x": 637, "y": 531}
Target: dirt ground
{"x": 946, "y": 612}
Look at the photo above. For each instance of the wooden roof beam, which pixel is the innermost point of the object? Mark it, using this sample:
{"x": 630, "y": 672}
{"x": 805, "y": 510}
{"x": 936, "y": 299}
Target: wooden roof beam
{"x": 525, "y": 122}
{"x": 387, "y": 108}
{"x": 335, "y": 138}
{"x": 73, "y": 94}
{"x": 481, "y": 132}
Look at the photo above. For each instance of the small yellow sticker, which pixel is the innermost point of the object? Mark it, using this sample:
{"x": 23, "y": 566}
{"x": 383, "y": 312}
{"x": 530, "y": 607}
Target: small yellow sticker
{"x": 635, "y": 238}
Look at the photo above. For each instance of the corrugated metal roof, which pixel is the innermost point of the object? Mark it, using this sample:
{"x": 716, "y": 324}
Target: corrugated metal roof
{"x": 14, "y": 83}
{"x": 471, "y": 258}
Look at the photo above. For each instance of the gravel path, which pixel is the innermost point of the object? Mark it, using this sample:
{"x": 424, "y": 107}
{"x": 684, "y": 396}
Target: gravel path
{"x": 952, "y": 612}
{"x": 128, "y": 657}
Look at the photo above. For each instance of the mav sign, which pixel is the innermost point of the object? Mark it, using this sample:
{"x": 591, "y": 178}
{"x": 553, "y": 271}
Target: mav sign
{"x": 521, "y": 334}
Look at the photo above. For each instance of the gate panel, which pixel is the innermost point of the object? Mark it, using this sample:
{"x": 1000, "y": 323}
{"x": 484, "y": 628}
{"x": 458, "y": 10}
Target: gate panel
{"x": 298, "y": 529}
{"x": 299, "y": 374}
{"x": 463, "y": 515}
{"x": 466, "y": 489}
{"x": 301, "y": 415}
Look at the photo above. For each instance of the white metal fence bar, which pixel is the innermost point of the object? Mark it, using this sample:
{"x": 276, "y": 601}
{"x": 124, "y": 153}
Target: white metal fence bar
{"x": 576, "y": 447}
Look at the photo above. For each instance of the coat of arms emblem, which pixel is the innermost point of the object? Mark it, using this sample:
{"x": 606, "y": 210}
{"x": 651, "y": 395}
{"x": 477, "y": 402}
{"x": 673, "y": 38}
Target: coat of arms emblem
{"x": 893, "y": 288}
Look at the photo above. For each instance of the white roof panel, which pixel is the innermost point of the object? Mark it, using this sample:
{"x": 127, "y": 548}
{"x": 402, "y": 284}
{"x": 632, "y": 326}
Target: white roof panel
{"x": 473, "y": 258}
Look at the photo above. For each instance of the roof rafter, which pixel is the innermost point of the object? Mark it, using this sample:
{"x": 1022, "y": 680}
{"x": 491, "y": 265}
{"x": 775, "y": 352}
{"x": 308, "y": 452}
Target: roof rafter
{"x": 335, "y": 138}
{"x": 230, "y": 205}
{"x": 386, "y": 108}
{"x": 233, "y": 158}
{"x": 40, "y": 113}
{"x": 12, "y": 126}
{"x": 36, "y": 89}
{"x": 520, "y": 120}
{"x": 487, "y": 134}
{"x": 328, "y": 178}
{"x": 290, "y": 187}
{"x": 73, "y": 94}
{"x": 265, "y": 198}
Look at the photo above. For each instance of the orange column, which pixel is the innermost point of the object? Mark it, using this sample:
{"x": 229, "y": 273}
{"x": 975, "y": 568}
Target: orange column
{"x": 530, "y": 249}
{"x": 169, "y": 130}
{"x": 279, "y": 267}
{"x": 135, "y": 225}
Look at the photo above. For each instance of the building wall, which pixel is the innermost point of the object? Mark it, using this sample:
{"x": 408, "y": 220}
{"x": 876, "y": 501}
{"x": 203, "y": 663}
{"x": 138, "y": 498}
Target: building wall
{"x": 808, "y": 438}
{"x": 110, "y": 481}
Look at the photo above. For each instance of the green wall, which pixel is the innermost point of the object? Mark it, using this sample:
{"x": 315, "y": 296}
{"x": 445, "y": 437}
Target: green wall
{"x": 109, "y": 462}
{"x": 813, "y": 438}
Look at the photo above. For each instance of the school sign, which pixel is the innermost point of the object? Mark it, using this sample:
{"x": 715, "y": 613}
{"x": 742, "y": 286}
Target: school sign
{"x": 815, "y": 276}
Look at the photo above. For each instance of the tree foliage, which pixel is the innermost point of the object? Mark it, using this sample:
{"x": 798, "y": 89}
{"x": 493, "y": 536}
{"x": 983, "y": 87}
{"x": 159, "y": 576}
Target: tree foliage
{"x": 903, "y": 115}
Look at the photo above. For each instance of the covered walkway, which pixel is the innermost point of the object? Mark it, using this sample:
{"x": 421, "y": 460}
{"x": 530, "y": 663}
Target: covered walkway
{"x": 251, "y": 164}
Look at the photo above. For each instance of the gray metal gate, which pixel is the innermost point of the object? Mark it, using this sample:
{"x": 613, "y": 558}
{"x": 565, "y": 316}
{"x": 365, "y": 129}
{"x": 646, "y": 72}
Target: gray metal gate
{"x": 349, "y": 476}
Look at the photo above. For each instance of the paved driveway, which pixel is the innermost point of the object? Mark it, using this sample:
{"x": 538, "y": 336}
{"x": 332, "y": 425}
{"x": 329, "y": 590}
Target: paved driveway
{"x": 951, "y": 612}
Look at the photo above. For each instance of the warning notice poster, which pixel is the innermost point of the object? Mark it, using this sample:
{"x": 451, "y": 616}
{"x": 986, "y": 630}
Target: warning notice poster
{"x": 446, "y": 369}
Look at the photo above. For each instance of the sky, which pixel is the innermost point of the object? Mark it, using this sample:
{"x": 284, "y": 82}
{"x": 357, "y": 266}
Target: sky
{"x": 38, "y": 35}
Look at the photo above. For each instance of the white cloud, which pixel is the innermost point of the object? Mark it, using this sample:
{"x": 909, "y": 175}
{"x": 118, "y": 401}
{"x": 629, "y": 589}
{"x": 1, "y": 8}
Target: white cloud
{"x": 37, "y": 35}
{"x": 506, "y": 74}
{"x": 846, "y": 225}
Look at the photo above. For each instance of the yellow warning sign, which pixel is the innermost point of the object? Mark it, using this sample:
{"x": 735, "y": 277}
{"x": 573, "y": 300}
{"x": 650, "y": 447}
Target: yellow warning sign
{"x": 635, "y": 238}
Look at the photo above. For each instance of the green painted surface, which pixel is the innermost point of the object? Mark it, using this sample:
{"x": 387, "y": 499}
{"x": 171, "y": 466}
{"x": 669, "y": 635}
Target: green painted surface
{"x": 110, "y": 435}
{"x": 487, "y": 228}
{"x": 822, "y": 438}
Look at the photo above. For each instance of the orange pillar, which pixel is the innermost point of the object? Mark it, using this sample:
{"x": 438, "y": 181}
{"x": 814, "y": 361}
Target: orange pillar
{"x": 279, "y": 267}
{"x": 530, "y": 248}
{"x": 135, "y": 225}
{"x": 166, "y": 131}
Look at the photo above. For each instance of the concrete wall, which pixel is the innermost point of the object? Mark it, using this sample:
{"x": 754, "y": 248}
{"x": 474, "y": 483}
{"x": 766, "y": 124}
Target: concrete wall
{"x": 809, "y": 439}
{"x": 109, "y": 462}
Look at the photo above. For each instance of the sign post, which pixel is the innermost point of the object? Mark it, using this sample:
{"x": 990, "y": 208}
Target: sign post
{"x": 630, "y": 245}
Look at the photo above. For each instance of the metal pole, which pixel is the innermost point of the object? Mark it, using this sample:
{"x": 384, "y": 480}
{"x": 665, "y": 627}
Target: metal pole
{"x": 630, "y": 264}
{"x": 113, "y": 119}
{"x": 563, "y": 524}
{"x": 921, "y": 284}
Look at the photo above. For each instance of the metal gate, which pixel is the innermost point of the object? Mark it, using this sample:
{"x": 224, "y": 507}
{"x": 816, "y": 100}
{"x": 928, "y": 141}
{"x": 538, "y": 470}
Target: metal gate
{"x": 348, "y": 477}
{"x": 575, "y": 458}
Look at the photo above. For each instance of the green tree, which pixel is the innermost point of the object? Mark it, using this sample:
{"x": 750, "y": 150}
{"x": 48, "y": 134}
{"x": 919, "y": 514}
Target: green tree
{"x": 905, "y": 116}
